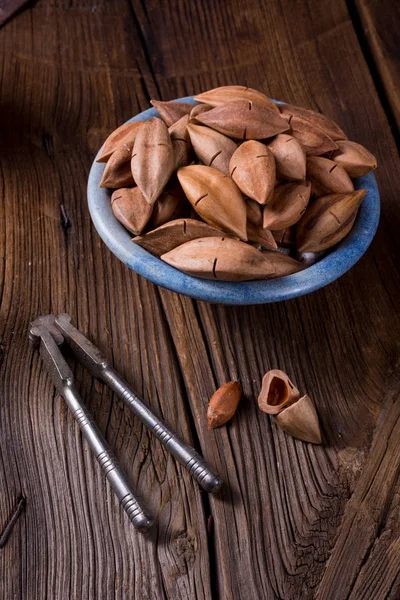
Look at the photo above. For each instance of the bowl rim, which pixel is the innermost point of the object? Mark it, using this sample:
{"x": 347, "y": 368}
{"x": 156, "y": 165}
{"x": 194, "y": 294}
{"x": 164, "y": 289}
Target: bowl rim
{"x": 327, "y": 270}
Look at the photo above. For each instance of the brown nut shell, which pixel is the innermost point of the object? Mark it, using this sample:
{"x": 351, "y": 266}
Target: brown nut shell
{"x": 277, "y": 391}
{"x": 213, "y": 148}
{"x": 221, "y": 259}
{"x": 170, "y": 205}
{"x": 327, "y": 177}
{"x": 233, "y": 93}
{"x": 173, "y": 234}
{"x": 255, "y": 232}
{"x": 117, "y": 172}
{"x": 131, "y": 209}
{"x": 171, "y": 111}
{"x": 288, "y": 204}
{"x": 290, "y": 158}
{"x": 327, "y": 221}
{"x": 197, "y": 110}
{"x": 223, "y": 404}
{"x": 313, "y": 139}
{"x": 300, "y": 420}
{"x": 356, "y": 160}
{"x": 181, "y": 143}
{"x": 281, "y": 264}
{"x": 244, "y": 120}
{"x": 285, "y": 237}
{"x": 252, "y": 168}
{"x": 215, "y": 197}
{"x": 153, "y": 158}
{"x": 122, "y": 136}
{"x": 317, "y": 119}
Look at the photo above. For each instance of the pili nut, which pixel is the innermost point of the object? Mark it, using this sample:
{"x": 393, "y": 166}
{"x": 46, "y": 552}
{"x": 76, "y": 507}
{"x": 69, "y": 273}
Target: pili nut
{"x": 178, "y": 131}
{"x": 221, "y": 259}
{"x": 117, "y": 172}
{"x": 153, "y": 158}
{"x": 354, "y": 158}
{"x": 215, "y": 197}
{"x": 170, "y": 205}
{"x": 331, "y": 128}
{"x": 327, "y": 177}
{"x": 285, "y": 237}
{"x": 223, "y": 404}
{"x": 254, "y": 212}
{"x": 244, "y": 120}
{"x": 181, "y": 143}
{"x": 327, "y": 221}
{"x": 171, "y": 111}
{"x": 197, "y": 110}
{"x": 290, "y": 158}
{"x": 232, "y": 93}
{"x": 312, "y": 138}
{"x": 124, "y": 135}
{"x": 175, "y": 233}
{"x": 252, "y": 168}
{"x": 131, "y": 209}
{"x": 277, "y": 391}
{"x": 213, "y": 148}
{"x": 255, "y": 232}
{"x": 300, "y": 420}
{"x": 260, "y": 236}
{"x": 288, "y": 204}
{"x": 281, "y": 264}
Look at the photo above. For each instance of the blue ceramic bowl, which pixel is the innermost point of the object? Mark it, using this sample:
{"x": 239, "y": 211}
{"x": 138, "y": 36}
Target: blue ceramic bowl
{"x": 335, "y": 264}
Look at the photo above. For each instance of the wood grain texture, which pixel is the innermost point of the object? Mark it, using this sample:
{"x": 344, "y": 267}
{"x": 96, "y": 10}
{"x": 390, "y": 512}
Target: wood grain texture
{"x": 372, "y": 518}
{"x": 379, "y": 30}
{"x": 8, "y": 8}
{"x": 290, "y": 512}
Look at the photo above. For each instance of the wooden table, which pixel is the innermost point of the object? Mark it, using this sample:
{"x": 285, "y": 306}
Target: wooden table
{"x": 294, "y": 520}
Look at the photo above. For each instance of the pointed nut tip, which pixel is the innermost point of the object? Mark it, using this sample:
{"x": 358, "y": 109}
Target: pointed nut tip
{"x": 300, "y": 420}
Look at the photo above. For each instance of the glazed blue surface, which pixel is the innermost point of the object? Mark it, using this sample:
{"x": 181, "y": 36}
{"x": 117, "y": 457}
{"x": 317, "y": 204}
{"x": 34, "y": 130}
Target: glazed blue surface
{"x": 335, "y": 264}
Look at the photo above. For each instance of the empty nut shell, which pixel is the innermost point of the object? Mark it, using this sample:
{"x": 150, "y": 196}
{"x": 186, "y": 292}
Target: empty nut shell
{"x": 277, "y": 391}
{"x": 300, "y": 420}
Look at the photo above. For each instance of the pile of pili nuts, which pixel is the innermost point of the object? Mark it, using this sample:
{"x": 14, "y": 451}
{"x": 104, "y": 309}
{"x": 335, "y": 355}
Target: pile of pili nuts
{"x": 279, "y": 397}
{"x": 236, "y": 187}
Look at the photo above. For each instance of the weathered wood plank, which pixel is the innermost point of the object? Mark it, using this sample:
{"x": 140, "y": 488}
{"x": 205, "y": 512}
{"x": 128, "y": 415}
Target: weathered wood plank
{"x": 72, "y": 71}
{"x": 378, "y": 28}
{"x": 322, "y": 340}
{"x": 372, "y": 565}
{"x": 297, "y": 501}
{"x": 73, "y": 536}
{"x": 9, "y": 8}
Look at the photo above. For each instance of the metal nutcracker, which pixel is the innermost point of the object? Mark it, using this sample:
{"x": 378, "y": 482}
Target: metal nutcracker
{"x": 50, "y": 332}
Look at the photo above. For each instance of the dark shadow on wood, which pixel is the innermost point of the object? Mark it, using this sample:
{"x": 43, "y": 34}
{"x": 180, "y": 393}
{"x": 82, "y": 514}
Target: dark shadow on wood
{"x": 374, "y": 68}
